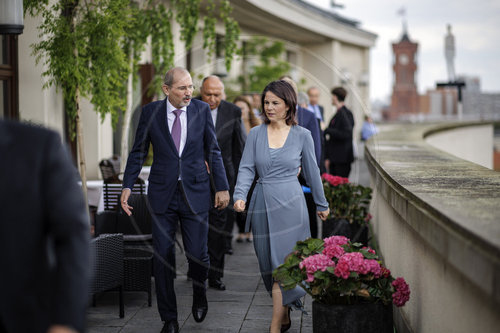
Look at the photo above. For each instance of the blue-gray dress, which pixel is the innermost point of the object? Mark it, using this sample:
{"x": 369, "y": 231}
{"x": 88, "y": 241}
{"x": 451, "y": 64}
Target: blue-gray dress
{"x": 278, "y": 213}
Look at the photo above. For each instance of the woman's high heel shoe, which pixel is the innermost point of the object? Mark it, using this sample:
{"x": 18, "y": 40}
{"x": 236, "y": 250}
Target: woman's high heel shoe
{"x": 286, "y": 327}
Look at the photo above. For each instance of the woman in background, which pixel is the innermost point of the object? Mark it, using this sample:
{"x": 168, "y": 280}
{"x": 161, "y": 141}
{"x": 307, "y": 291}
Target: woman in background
{"x": 247, "y": 116}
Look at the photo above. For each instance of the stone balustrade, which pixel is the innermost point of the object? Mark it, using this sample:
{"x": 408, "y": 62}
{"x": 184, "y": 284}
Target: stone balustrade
{"x": 437, "y": 224}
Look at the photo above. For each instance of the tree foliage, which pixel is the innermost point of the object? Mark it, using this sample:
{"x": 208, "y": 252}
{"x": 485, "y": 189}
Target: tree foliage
{"x": 86, "y": 45}
{"x": 270, "y": 64}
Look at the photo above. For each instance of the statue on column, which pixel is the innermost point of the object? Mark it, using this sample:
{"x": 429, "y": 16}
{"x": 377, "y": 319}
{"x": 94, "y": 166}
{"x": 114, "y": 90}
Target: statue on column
{"x": 449, "y": 52}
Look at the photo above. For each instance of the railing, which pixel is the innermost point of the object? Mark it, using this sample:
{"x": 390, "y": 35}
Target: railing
{"x": 437, "y": 223}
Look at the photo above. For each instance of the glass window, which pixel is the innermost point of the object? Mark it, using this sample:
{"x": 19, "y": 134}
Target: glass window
{"x": 3, "y": 97}
{"x": 9, "y": 103}
{"x": 3, "y": 49}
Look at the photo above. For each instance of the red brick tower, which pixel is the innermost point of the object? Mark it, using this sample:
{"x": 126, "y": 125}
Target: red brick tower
{"x": 405, "y": 98}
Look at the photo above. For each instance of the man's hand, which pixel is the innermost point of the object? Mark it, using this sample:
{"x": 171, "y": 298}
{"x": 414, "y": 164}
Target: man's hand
{"x": 221, "y": 199}
{"x": 124, "y": 199}
{"x": 239, "y": 206}
{"x": 324, "y": 214}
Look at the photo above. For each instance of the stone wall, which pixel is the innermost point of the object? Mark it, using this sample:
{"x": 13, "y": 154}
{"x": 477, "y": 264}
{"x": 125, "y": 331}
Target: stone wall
{"x": 436, "y": 223}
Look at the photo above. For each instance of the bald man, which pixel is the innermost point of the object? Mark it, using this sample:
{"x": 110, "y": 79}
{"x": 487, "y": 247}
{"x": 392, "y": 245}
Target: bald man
{"x": 231, "y": 139}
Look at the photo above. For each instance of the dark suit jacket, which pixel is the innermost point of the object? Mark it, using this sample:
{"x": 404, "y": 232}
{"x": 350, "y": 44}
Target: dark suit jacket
{"x": 338, "y": 137}
{"x": 201, "y": 145}
{"x": 44, "y": 233}
{"x": 231, "y": 139}
{"x": 307, "y": 119}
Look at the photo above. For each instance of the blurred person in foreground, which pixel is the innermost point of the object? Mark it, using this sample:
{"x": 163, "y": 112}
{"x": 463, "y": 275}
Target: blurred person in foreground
{"x": 231, "y": 139}
{"x": 276, "y": 151}
{"x": 182, "y": 133}
{"x": 339, "y": 152}
{"x": 44, "y": 234}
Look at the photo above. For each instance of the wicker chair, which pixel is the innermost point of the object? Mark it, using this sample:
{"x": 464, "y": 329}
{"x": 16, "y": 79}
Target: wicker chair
{"x": 138, "y": 268}
{"x": 107, "y": 251}
{"x": 136, "y": 230}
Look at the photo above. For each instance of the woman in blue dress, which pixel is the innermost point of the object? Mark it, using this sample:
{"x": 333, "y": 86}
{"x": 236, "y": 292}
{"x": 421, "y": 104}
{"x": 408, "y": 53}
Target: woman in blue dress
{"x": 276, "y": 151}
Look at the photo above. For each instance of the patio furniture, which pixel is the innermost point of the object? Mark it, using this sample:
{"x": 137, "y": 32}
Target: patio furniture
{"x": 107, "y": 255}
{"x": 112, "y": 191}
{"x": 138, "y": 266}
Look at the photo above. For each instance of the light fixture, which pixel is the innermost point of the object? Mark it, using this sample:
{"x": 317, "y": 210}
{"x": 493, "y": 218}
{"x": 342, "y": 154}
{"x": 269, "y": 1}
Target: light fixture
{"x": 11, "y": 17}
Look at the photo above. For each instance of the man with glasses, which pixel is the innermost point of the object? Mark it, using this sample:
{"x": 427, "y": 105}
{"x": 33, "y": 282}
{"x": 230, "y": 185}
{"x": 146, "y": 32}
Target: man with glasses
{"x": 182, "y": 133}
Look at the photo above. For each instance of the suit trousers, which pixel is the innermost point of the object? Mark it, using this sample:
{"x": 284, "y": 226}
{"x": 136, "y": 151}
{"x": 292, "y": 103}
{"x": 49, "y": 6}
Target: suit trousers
{"x": 217, "y": 241}
{"x": 340, "y": 169}
{"x": 313, "y": 218}
{"x": 194, "y": 229}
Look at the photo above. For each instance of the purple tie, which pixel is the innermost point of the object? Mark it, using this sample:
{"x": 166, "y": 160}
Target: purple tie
{"x": 176, "y": 129}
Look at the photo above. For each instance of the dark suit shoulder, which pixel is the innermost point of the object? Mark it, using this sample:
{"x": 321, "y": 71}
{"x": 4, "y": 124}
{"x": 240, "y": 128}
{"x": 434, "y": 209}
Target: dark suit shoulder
{"x": 199, "y": 103}
{"x": 22, "y": 132}
{"x": 232, "y": 108}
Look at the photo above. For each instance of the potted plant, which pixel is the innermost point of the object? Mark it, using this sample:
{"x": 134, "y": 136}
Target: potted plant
{"x": 352, "y": 290}
{"x": 349, "y": 205}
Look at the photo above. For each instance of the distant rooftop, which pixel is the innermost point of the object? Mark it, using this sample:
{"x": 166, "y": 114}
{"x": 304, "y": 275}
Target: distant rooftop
{"x": 326, "y": 13}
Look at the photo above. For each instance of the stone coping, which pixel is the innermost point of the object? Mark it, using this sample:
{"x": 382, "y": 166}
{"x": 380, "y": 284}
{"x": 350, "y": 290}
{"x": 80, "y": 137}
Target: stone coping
{"x": 453, "y": 204}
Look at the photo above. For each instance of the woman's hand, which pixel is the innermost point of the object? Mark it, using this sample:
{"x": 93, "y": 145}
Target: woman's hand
{"x": 239, "y": 206}
{"x": 324, "y": 214}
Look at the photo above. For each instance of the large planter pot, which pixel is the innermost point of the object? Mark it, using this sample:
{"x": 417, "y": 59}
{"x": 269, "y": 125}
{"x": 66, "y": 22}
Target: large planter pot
{"x": 354, "y": 318}
{"x": 342, "y": 227}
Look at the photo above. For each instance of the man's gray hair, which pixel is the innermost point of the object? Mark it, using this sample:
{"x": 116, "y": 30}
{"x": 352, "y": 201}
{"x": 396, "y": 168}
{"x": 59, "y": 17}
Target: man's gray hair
{"x": 302, "y": 98}
{"x": 169, "y": 76}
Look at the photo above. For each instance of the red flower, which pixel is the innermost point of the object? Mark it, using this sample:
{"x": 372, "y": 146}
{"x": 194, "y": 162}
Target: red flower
{"x": 334, "y": 180}
{"x": 402, "y": 293}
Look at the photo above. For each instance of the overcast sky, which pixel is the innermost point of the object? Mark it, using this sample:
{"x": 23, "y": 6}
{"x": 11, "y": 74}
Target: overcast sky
{"x": 475, "y": 25}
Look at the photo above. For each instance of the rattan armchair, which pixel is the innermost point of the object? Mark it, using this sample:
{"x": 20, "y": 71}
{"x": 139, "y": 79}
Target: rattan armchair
{"x": 107, "y": 252}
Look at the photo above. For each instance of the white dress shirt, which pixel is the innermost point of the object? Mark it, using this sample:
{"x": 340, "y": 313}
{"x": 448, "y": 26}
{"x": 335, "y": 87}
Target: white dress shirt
{"x": 182, "y": 118}
{"x": 214, "y": 114}
{"x": 315, "y": 109}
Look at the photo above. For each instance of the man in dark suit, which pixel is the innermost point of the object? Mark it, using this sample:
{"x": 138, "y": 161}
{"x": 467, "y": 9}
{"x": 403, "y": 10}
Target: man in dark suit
{"x": 44, "y": 234}
{"x": 231, "y": 139}
{"x": 338, "y": 137}
{"x": 313, "y": 93}
{"x": 182, "y": 133}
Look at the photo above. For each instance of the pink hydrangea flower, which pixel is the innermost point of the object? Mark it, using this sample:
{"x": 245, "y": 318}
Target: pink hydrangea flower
{"x": 333, "y": 251}
{"x": 373, "y": 267}
{"x": 402, "y": 293}
{"x": 317, "y": 262}
{"x": 355, "y": 260}
{"x": 336, "y": 240}
{"x": 342, "y": 270}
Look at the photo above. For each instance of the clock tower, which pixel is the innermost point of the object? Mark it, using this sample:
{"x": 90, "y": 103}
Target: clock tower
{"x": 405, "y": 99}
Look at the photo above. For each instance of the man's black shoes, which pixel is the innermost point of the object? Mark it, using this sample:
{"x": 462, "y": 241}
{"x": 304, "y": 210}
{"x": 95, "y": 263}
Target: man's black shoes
{"x": 200, "y": 310}
{"x": 216, "y": 284}
{"x": 171, "y": 326}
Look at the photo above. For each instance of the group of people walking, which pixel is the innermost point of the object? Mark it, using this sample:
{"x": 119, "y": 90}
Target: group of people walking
{"x": 208, "y": 153}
